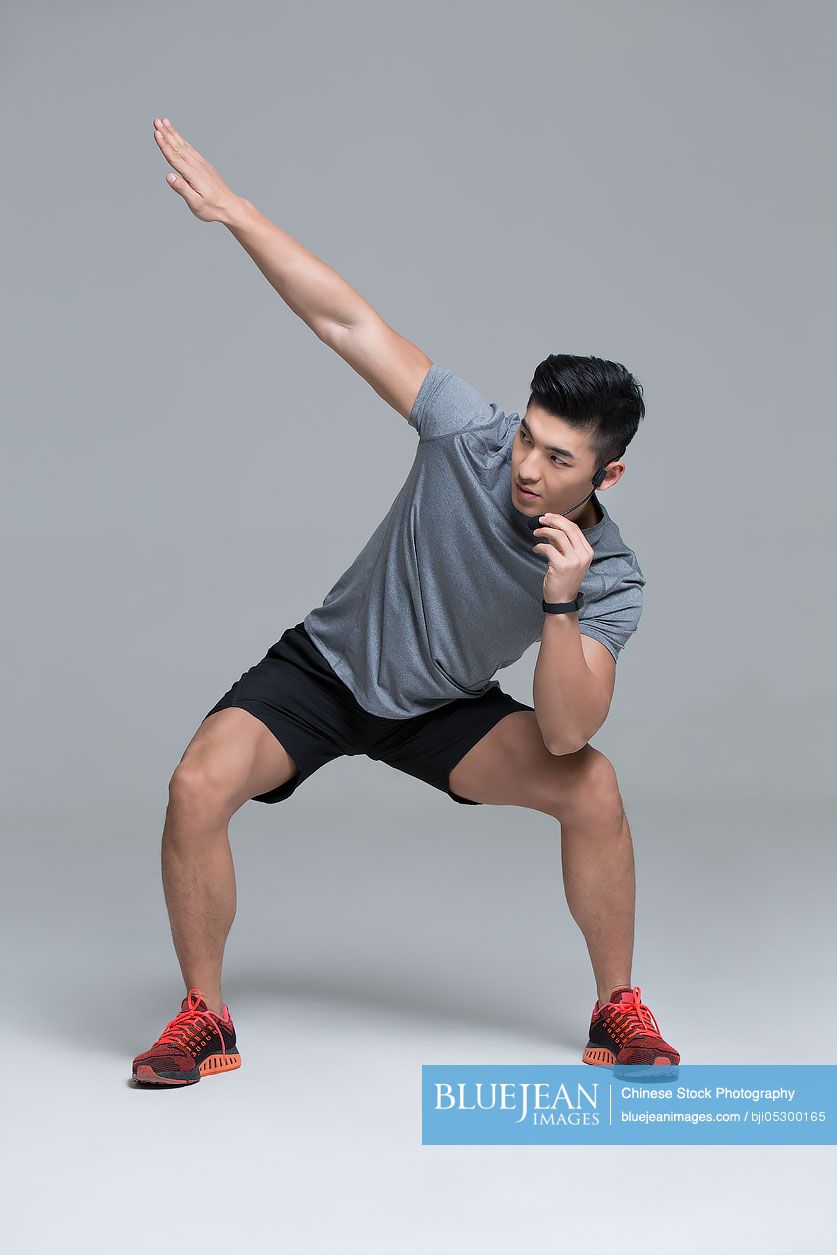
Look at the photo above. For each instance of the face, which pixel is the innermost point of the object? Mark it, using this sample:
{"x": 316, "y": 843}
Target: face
{"x": 552, "y": 459}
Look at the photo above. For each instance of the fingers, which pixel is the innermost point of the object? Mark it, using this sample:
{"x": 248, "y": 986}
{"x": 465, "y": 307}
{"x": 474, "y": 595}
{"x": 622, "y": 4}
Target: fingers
{"x": 553, "y": 536}
{"x": 169, "y": 125}
{"x": 557, "y": 524}
{"x": 556, "y": 538}
{"x": 177, "y": 139}
{"x": 564, "y": 558}
{"x": 178, "y": 143}
{"x": 191, "y": 197}
{"x": 175, "y": 149}
{"x": 168, "y": 150}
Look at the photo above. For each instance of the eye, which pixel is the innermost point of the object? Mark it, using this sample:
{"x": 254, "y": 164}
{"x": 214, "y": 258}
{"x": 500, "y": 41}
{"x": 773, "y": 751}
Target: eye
{"x": 556, "y": 461}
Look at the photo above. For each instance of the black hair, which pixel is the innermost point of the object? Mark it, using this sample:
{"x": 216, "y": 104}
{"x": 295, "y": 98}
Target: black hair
{"x": 598, "y": 397}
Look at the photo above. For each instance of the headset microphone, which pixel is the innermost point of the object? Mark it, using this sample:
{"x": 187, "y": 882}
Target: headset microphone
{"x": 597, "y": 479}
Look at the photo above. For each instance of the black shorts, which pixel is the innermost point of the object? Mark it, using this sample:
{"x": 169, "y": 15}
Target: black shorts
{"x": 295, "y": 691}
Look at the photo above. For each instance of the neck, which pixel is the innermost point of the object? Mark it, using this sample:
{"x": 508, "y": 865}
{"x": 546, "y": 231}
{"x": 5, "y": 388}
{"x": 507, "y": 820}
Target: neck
{"x": 588, "y": 516}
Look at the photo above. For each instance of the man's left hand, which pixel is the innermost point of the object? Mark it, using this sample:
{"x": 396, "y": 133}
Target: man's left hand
{"x": 569, "y": 556}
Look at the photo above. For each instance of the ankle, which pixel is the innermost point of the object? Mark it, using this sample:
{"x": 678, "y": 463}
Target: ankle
{"x": 604, "y": 994}
{"x": 213, "y": 1000}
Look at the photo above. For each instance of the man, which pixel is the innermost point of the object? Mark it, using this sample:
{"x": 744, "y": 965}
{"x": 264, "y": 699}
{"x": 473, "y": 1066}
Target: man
{"x": 495, "y": 541}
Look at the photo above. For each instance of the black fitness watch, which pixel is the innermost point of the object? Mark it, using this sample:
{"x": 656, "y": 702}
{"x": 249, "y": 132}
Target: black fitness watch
{"x": 564, "y": 607}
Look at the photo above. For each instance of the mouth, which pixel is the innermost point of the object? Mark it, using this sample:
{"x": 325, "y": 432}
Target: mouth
{"x": 525, "y": 493}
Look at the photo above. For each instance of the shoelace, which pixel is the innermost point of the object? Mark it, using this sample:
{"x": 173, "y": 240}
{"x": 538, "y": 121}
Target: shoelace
{"x": 178, "y": 1029}
{"x": 638, "y": 1018}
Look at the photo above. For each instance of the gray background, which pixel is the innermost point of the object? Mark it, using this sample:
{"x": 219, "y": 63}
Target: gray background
{"x": 187, "y": 470}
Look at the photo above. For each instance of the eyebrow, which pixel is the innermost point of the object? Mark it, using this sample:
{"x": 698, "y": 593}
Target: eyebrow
{"x": 550, "y": 448}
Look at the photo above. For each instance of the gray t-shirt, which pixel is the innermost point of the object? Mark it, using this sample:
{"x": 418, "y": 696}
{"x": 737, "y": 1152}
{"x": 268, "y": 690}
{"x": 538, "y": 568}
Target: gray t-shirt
{"x": 447, "y": 590}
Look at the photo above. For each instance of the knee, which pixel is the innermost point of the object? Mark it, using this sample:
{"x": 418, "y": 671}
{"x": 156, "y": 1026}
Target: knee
{"x": 198, "y": 785}
{"x": 591, "y": 786}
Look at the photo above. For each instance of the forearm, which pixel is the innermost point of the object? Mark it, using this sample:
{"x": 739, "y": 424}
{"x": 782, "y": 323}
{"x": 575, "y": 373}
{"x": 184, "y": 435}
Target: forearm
{"x": 570, "y": 702}
{"x": 315, "y": 292}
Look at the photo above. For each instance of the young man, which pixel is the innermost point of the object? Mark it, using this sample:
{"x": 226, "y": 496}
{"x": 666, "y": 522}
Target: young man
{"x": 496, "y": 540}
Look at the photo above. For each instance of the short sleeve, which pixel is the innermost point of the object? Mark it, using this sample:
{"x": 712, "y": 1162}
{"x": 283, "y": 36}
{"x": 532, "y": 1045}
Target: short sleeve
{"x": 446, "y": 404}
{"x": 614, "y": 617}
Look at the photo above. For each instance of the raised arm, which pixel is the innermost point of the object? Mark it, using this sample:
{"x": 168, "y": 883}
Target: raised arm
{"x": 336, "y": 313}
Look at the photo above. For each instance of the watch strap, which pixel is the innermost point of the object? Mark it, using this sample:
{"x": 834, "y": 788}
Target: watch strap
{"x": 563, "y": 607}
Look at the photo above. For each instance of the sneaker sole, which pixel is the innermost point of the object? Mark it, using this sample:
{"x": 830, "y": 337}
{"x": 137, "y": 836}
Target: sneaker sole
{"x": 211, "y": 1066}
{"x": 600, "y": 1057}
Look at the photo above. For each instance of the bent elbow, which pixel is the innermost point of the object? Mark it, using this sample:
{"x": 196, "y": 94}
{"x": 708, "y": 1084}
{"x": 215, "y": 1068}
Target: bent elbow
{"x": 560, "y": 743}
{"x": 560, "y": 748}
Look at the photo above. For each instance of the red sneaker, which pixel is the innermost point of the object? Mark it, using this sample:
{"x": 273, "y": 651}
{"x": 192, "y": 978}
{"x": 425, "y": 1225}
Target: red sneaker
{"x": 625, "y": 1036}
{"x": 196, "y": 1043}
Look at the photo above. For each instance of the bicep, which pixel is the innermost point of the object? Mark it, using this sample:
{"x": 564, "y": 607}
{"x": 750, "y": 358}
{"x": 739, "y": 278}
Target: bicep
{"x": 601, "y": 662}
{"x": 390, "y": 363}
{"x": 612, "y": 619}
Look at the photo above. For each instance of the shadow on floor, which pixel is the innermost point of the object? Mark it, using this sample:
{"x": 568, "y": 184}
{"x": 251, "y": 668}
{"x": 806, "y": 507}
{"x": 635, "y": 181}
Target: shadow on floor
{"x": 129, "y": 1020}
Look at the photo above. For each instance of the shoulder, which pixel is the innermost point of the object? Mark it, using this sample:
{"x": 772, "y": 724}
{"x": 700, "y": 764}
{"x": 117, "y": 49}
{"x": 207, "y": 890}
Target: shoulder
{"x": 613, "y": 557}
{"x": 447, "y": 404}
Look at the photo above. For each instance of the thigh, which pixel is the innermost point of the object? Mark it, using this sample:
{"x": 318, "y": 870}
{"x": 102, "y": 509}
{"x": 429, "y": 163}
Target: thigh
{"x": 490, "y": 750}
{"x": 293, "y": 696}
{"x": 430, "y": 746}
{"x": 511, "y": 766}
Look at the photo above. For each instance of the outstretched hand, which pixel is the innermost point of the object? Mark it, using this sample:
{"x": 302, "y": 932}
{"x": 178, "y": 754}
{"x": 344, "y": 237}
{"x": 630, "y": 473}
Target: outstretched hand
{"x": 199, "y": 183}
